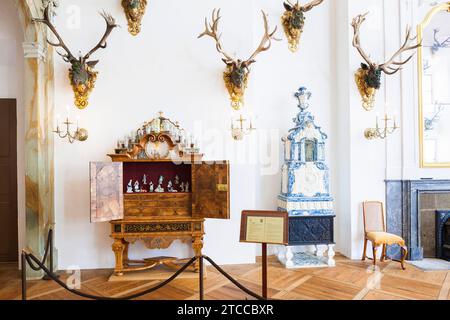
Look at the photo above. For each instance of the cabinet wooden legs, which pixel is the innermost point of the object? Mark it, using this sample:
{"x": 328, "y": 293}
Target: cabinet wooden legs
{"x": 123, "y": 264}
{"x": 119, "y": 247}
{"x": 197, "y": 245}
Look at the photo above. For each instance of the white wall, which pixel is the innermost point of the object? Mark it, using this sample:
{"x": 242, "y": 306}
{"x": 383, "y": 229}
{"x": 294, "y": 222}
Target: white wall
{"x": 364, "y": 165}
{"x": 167, "y": 68}
{"x": 11, "y": 79}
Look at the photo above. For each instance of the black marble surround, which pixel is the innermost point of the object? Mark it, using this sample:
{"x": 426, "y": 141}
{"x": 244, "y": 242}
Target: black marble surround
{"x": 403, "y": 212}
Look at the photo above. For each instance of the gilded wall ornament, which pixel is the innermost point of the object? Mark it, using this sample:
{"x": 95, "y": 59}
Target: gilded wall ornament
{"x": 366, "y": 91}
{"x": 368, "y": 76}
{"x": 82, "y": 75}
{"x": 237, "y": 71}
{"x": 134, "y": 11}
{"x": 293, "y": 21}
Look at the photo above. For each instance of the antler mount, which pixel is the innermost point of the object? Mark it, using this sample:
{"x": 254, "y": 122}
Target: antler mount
{"x": 81, "y": 73}
{"x": 368, "y": 77}
{"x": 237, "y": 70}
{"x": 293, "y": 21}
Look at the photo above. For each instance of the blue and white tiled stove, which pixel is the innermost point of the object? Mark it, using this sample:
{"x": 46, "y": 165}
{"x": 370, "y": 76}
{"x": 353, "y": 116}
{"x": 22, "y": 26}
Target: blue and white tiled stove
{"x": 305, "y": 193}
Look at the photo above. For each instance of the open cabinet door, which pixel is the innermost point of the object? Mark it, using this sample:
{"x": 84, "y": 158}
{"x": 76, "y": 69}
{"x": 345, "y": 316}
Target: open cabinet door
{"x": 211, "y": 192}
{"x": 106, "y": 191}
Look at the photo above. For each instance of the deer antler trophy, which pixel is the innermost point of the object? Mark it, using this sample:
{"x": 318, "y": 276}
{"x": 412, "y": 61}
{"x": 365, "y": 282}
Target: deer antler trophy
{"x": 134, "y": 11}
{"x": 82, "y": 75}
{"x": 293, "y": 21}
{"x": 368, "y": 77}
{"x": 237, "y": 71}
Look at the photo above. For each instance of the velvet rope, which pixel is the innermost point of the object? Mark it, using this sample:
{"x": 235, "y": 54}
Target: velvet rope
{"x": 235, "y": 282}
{"x": 31, "y": 259}
{"x": 94, "y": 297}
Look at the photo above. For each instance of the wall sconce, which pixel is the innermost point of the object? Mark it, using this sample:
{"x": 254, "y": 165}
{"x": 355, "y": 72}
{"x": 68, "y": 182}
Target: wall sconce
{"x": 241, "y": 127}
{"x": 80, "y": 134}
{"x": 382, "y": 132}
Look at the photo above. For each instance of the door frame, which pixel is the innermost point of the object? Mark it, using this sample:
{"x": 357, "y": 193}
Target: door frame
{"x": 13, "y": 183}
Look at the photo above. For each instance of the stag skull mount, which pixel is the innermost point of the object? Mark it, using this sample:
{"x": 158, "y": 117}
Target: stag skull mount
{"x": 237, "y": 70}
{"x": 293, "y": 21}
{"x": 82, "y": 75}
{"x": 368, "y": 76}
{"x": 134, "y": 12}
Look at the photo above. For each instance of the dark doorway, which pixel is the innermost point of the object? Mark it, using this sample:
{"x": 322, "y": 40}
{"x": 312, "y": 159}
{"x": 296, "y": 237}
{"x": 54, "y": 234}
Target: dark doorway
{"x": 8, "y": 181}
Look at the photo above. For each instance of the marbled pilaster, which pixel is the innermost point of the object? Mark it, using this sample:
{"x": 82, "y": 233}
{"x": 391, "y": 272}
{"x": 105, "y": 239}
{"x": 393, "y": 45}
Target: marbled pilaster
{"x": 38, "y": 100}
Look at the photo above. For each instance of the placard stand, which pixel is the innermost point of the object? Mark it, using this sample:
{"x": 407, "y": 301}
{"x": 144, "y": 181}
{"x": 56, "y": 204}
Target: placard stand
{"x": 264, "y": 227}
{"x": 264, "y": 270}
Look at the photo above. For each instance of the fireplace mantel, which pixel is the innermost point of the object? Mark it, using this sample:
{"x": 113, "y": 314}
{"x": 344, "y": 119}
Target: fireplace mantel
{"x": 403, "y": 211}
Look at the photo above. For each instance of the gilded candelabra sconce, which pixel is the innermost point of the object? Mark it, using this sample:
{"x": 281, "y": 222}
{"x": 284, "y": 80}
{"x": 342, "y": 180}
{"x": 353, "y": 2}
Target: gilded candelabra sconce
{"x": 134, "y": 11}
{"x": 293, "y": 21}
{"x": 80, "y": 134}
{"x": 389, "y": 126}
{"x": 241, "y": 127}
{"x": 237, "y": 71}
{"x": 82, "y": 75}
{"x": 368, "y": 76}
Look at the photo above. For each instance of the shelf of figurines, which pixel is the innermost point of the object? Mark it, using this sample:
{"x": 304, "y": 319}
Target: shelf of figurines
{"x": 134, "y": 187}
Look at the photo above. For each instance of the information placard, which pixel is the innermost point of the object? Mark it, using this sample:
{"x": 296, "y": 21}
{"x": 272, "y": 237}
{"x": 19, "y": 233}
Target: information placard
{"x": 264, "y": 227}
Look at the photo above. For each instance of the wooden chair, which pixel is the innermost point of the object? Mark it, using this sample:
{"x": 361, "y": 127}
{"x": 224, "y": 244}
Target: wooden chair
{"x": 375, "y": 232}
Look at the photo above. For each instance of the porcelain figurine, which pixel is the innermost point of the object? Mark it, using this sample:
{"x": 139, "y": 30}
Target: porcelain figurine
{"x": 160, "y": 182}
{"x": 170, "y": 187}
{"x": 151, "y": 187}
{"x": 186, "y": 187}
{"x": 144, "y": 180}
{"x": 177, "y": 180}
{"x": 182, "y": 187}
{"x": 130, "y": 186}
{"x": 137, "y": 188}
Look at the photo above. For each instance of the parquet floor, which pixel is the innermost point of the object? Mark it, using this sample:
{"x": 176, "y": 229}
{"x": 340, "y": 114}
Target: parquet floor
{"x": 348, "y": 280}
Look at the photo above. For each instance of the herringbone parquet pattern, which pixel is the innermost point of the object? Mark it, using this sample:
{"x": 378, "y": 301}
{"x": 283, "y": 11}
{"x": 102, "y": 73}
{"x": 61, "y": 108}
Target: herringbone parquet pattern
{"x": 348, "y": 280}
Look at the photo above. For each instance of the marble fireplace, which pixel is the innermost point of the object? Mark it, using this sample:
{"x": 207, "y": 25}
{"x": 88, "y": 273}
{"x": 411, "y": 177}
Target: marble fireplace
{"x": 419, "y": 211}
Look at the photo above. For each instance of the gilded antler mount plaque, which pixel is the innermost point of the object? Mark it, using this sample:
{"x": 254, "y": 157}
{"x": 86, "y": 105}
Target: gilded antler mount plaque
{"x": 134, "y": 11}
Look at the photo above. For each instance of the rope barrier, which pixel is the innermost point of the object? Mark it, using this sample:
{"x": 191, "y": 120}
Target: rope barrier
{"x": 235, "y": 282}
{"x": 94, "y": 297}
{"x": 32, "y": 261}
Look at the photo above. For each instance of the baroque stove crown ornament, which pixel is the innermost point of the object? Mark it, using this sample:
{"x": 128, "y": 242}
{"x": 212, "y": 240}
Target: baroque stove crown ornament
{"x": 82, "y": 75}
{"x": 305, "y": 190}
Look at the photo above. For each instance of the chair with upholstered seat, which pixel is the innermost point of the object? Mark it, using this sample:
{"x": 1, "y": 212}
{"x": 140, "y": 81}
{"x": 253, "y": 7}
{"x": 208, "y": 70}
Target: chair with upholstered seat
{"x": 375, "y": 232}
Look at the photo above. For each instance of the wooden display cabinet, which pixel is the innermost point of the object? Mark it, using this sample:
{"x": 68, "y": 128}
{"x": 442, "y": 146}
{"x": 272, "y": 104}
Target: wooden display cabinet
{"x": 157, "y": 218}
